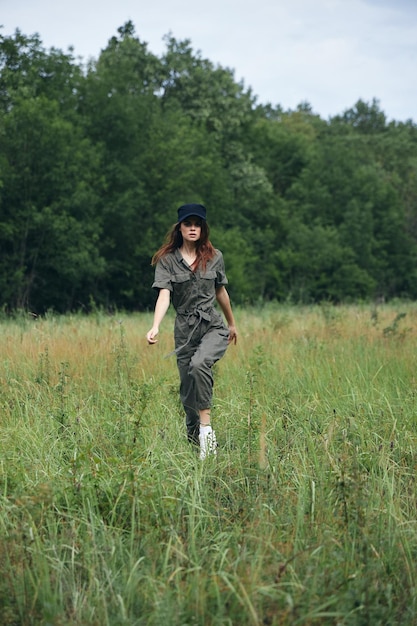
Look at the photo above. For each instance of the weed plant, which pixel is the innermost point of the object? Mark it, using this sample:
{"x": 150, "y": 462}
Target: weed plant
{"x": 307, "y": 516}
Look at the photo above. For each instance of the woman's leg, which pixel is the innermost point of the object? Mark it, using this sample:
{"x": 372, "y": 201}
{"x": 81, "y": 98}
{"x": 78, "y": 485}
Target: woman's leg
{"x": 212, "y": 347}
{"x": 187, "y": 397}
{"x": 205, "y": 417}
{"x": 196, "y": 380}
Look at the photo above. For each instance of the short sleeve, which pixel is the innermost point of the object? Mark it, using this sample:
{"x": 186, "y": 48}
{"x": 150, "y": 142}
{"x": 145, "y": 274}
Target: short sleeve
{"x": 162, "y": 276}
{"x": 221, "y": 278}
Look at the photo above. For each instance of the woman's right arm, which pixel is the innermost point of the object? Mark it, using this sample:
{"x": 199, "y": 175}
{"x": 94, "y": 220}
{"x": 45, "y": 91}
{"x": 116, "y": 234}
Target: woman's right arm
{"x": 161, "y": 307}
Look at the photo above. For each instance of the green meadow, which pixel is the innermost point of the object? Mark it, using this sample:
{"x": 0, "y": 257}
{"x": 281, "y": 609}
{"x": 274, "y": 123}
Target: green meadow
{"x": 307, "y": 516}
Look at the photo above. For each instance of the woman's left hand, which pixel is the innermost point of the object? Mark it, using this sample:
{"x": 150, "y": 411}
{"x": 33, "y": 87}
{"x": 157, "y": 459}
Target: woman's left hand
{"x": 232, "y": 334}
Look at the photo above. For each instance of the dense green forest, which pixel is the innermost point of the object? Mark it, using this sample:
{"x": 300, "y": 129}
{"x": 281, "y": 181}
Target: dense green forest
{"x": 96, "y": 157}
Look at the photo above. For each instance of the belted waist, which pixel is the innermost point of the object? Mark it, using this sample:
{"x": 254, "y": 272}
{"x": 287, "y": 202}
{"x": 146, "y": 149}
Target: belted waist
{"x": 196, "y": 315}
{"x": 193, "y": 318}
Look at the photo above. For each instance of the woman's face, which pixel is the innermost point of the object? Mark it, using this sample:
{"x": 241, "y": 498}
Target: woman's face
{"x": 191, "y": 229}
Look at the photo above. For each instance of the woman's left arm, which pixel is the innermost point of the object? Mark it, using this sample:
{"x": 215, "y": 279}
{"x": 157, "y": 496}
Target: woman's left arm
{"x": 223, "y": 299}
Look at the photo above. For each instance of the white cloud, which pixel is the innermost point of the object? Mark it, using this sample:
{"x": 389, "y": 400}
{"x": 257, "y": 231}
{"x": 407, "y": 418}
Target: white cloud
{"x": 327, "y": 52}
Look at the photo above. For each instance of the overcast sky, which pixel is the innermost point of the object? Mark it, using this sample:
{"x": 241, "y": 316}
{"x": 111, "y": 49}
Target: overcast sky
{"x": 329, "y": 53}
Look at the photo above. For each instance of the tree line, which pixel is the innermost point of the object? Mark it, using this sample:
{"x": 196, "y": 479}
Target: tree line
{"x": 96, "y": 157}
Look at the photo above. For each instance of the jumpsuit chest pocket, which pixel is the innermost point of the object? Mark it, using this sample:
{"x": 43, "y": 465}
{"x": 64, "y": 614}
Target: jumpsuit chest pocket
{"x": 181, "y": 277}
{"x": 207, "y": 283}
{"x": 181, "y": 283}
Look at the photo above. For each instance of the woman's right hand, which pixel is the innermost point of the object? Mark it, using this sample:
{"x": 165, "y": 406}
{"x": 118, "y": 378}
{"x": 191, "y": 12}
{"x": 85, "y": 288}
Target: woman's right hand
{"x": 150, "y": 336}
{"x": 161, "y": 307}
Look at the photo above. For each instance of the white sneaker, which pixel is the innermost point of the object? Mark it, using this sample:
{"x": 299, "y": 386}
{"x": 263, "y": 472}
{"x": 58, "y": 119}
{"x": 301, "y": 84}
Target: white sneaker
{"x": 208, "y": 442}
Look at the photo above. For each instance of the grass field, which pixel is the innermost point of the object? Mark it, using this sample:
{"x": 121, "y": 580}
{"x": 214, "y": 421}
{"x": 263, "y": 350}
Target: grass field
{"x": 308, "y": 514}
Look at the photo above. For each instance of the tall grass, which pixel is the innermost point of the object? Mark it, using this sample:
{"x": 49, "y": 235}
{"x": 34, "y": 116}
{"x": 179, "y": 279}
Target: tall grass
{"x": 306, "y": 516}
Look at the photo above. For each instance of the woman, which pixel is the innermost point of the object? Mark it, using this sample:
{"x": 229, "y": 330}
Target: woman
{"x": 191, "y": 271}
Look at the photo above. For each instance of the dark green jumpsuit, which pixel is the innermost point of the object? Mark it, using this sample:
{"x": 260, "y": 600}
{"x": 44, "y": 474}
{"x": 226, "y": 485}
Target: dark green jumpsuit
{"x": 200, "y": 334}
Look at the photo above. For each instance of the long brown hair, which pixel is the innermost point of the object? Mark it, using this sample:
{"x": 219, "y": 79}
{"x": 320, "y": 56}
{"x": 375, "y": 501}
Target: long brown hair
{"x": 174, "y": 240}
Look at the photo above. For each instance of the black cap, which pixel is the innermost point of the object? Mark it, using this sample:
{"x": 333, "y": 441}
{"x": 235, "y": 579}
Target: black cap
{"x": 187, "y": 210}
